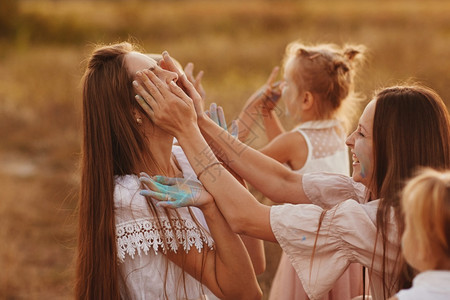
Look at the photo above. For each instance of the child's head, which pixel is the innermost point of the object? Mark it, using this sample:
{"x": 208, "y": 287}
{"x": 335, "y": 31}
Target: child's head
{"x": 426, "y": 205}
{"x": 324, "y": 72}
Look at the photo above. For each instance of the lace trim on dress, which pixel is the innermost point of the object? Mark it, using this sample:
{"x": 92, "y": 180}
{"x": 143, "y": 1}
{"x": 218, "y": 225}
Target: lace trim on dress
{"x": 325, "y": 142}
{"x": 141, "y": 235}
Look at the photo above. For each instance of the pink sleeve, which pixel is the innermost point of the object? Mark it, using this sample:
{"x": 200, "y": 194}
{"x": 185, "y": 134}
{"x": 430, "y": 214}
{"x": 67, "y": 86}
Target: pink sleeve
{"x": 346, "y": 235}
{"x": 328, "y": 189}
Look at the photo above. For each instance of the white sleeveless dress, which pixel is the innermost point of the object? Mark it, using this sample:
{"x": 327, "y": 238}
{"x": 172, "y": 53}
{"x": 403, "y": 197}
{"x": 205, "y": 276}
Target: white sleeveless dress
{"x": 327, "y": 152}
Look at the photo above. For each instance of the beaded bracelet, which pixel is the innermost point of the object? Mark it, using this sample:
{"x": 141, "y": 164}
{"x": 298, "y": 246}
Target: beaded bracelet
{"x": 207, "y": 167}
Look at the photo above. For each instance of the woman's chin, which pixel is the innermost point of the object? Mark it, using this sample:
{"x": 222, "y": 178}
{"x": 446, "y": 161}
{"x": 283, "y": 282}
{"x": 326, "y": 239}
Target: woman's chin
{"x": 357, "y": 176}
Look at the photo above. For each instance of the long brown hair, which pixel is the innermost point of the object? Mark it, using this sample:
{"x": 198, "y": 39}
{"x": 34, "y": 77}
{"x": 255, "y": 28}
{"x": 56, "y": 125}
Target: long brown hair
{"x": 411, "y": 129}
{"x": 112, "y": 145}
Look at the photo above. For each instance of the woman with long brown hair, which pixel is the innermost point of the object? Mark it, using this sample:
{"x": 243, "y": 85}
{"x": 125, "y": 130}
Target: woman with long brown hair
{"x": 351, "y": 219}
{"x": 129, "y": 247}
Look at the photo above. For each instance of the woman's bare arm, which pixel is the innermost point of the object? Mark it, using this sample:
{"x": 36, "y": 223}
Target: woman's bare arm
{"x": 267, "y": 175}
{"x": 227, "y": 269}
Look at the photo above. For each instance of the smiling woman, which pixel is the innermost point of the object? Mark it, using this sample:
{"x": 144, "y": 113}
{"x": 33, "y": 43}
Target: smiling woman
{"x": 353, "y": 219}
{"x": 361, "y": 143}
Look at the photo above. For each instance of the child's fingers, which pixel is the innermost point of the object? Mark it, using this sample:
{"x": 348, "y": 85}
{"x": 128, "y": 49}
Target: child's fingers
{"x": 221, "y": 116}
{"x": 188, "y": 86}
{"x": 162, "y": 64}
{"x": 213, "y": 112}
{"x": 169, "y": 64}
{"x": 189, "y": 71}
{"x": 197, "y": 81}
{"x": 199, "y": 77}
{"x": 234, "y": 128}
{"x": 185, "y": 82}
{"x": 273, "y": 75}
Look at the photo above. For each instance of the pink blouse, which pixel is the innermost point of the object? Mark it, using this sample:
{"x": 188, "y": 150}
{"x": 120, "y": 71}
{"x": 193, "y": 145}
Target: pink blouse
{"x": 347, "y": 233}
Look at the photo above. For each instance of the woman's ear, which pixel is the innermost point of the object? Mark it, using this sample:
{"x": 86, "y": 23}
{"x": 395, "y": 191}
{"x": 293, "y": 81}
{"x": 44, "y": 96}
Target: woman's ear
{"x": 137, "y": 116}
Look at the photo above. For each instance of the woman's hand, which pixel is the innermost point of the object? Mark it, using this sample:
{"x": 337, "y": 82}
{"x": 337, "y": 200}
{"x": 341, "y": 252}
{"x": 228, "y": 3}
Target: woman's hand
{"x": 186, "y": 84}
{"x": 175, "y": 192}
{"x": 166, "y": 104}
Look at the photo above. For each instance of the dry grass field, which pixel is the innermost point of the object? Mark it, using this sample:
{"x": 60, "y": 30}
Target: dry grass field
{"x": 43, "y": 45}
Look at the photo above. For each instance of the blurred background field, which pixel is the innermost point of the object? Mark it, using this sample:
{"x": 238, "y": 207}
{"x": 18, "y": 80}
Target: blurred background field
{"x": 43, "y": 45}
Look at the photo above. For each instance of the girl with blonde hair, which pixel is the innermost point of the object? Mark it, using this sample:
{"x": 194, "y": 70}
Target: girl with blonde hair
{"x": 426, "y": 239}
{"x": 318, "y": 92}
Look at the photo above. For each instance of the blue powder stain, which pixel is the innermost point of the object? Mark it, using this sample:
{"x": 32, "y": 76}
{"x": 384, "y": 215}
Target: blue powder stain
{"x": 363, "y": 169}
{"x": 363, "y": 172}
{"x": 303, "y": 238}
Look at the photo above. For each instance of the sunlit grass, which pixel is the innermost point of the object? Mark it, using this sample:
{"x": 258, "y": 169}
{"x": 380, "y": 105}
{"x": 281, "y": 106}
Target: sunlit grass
{"x": 236, "y": 43}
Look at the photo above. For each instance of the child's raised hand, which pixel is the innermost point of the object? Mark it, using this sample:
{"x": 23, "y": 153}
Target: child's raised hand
{"x": 217, "y": 114}
{"x": 271, "y": 92}
{"x": 174, "y": 192}
{"x": 197, "y": 80}
{"x": 268, "y": 95}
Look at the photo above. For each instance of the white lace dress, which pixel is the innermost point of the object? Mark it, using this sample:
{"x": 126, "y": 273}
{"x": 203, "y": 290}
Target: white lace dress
{"x": 327, "y": 152}
{"x": 143, "y": 266}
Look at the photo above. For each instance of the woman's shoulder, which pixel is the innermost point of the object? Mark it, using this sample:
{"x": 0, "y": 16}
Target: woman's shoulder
{"x": 126, "y": 183}
{"x": 328, "y": 189}
{"x": 126, "y": 188}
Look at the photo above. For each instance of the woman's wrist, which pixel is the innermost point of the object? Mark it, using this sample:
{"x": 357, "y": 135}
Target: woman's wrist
{"x": 209, "y": 208}
{"x": 203, "y": 120}
{"x": 188, "y": 133}
{"x": 186, "y": 130}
